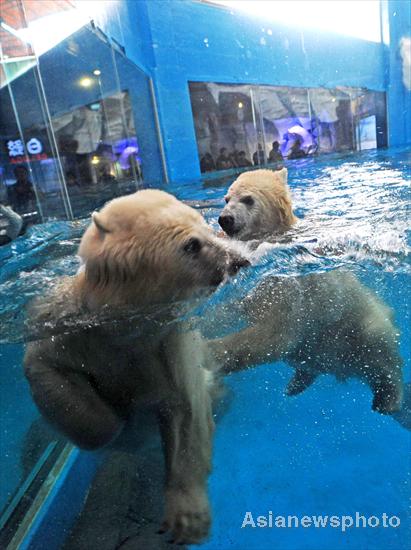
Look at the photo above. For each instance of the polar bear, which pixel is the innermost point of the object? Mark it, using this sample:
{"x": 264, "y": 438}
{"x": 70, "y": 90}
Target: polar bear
{"x": 258, "y": 205}
{"x": 143, "y": 253}
{"x": 321, "y": 323}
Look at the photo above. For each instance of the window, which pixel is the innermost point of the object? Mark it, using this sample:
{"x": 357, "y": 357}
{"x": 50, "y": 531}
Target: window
{"x": 240, "y": 125}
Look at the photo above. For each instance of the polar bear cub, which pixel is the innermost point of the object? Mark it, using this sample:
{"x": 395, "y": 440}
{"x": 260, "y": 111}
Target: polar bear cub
{"x": 320, "y": 323}
{"x": 147, "y": 252}
{"x": 258, "y": 205}
{"x": 327, "y": 323}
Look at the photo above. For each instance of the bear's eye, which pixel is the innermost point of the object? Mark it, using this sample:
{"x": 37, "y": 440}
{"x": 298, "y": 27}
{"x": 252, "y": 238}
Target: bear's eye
{"x": 248, "y": 200}
{"x": 193, "y": 246}
{"x": 227, "y": 199}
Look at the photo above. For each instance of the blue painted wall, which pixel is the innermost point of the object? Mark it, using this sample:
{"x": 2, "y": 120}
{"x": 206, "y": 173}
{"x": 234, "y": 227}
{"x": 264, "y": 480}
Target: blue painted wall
{"x": 399, "y": 98}
{"x": 128, "y": 23}
{"x": 195, "y": 41}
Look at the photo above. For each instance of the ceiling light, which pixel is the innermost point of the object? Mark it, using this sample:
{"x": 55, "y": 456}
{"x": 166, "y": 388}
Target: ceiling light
{"x": 85, "y": 82}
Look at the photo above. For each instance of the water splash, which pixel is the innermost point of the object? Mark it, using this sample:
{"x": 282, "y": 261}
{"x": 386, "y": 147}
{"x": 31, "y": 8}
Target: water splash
{"x": 353, "y": 213}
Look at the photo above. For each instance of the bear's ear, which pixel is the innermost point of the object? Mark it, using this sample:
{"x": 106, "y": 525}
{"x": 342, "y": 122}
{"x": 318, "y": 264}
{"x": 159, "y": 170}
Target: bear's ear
{"x": 99, "y": 224}
{"x": 284, "y": 174}
{"x": 285, "y": 211}
{"x": 282, "y": 210}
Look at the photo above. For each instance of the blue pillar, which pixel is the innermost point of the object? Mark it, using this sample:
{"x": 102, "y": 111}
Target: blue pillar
{"x": 127, "y": 22}
{"x": 146, "y": 28}
{"x": 173, "y": 97}
{"x": 399, "y": 98}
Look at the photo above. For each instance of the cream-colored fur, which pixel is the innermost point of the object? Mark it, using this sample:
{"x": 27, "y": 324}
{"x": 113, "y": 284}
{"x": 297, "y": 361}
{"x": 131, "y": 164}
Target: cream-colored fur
{"x": 321, "y": 323}
{"x": 258, "y": 205}
{"x": 146, "y": 252}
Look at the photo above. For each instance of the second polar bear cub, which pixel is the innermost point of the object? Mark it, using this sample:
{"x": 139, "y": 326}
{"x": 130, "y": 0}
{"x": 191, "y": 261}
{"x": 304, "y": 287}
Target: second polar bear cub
{"x": 147, "y": 251}
{"x": 319, "y": 323}
{"x": 258, "y": 205}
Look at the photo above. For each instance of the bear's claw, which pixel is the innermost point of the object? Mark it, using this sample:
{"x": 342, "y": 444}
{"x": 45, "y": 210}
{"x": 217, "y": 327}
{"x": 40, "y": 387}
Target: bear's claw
{"x": 188, "y": 519}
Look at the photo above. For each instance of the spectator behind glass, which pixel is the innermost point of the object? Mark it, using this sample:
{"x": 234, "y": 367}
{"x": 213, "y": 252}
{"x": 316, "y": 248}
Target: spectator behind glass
{"x": 105, "y": 175}
{"x": 242, "y": 160}
{"x": 275, "y": 154}
{"x": 234, "y": 158}
{"x": 71, "y": 179}
{"x": 207, "y": 163}
{"x": 259, "y": 156}
{"x": 296, "y": 152}
{"x": 223, "y": 161}
{"x": 21, "y": 193}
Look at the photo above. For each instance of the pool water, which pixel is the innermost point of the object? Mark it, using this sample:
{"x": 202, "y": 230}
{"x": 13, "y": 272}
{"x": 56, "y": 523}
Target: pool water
{"x": 323, "y": 452}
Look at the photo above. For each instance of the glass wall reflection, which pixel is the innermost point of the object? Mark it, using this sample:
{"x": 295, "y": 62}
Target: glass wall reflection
{"x": 29, "y": 163}
{"x": 370, "y": 123}
{"x": 332, "y": 119}
{"x": 238, "y": 126}
{"x": 286, "y": 121}
{"x": 92, "y": 120}
{"x": 70, "y": 124}
{"x": 226, "y": 125}
{"x": 77, "y": 128}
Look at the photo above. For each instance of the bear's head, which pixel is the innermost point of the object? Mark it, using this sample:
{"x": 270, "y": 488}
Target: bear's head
{"x": 148, "y": 248}
{"x": 258, "y": 204}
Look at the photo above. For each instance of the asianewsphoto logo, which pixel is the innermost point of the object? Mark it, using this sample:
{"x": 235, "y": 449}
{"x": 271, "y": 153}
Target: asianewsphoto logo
{"x": 320, "y": 521}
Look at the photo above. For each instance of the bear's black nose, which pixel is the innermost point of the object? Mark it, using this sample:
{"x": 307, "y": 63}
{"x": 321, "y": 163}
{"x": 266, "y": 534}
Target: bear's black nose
{"x": 226, "y": 222}
{"x": 237, "y": 264}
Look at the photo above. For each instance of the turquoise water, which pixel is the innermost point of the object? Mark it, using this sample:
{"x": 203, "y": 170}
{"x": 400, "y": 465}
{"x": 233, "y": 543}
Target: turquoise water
{"x": 322, "y": 452}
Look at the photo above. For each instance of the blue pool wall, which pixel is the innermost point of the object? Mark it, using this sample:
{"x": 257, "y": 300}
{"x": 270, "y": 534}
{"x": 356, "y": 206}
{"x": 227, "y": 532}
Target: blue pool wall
{"x": 399, "y": 98}
{"x": 176, "y": 42}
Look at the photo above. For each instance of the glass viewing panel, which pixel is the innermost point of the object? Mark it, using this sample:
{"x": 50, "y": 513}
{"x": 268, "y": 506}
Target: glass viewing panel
{"x": 78, "y": 126}
{"x": 238, "y": 126}
{"x": 68, "y": 121}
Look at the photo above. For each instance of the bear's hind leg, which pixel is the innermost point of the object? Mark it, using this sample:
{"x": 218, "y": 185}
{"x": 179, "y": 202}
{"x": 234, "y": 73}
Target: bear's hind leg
{"x": 388, "y": 392}
{"x": 302, "y": 379}
{"x": 381, "y": 367}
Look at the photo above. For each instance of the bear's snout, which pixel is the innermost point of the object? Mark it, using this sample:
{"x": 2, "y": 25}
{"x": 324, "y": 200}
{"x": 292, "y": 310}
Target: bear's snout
{"x": 232, "y": 267}
{"x": 226, "y": 222}
{"x": 236, "y": 264}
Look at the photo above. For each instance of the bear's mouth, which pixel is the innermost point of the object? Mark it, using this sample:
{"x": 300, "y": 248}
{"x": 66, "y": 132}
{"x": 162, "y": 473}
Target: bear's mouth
{"x": 233, "y": 231}
{"x": 232, "y": 267}
{"x": 237, "y": 264}
{"x": 218, "y": 277}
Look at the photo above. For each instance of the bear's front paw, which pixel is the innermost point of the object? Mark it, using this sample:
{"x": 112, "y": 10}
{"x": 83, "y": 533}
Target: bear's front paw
{"x": 187, "y": 516}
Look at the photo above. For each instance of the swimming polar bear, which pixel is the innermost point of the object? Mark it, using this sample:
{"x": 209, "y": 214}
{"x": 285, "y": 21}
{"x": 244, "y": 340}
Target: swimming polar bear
{"x": 326, "y": 323}
{"x": 258, "y": 205}
{"x": 145, "y": 251}
{"x": 320, "y": 323}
